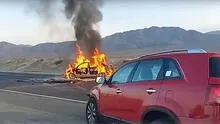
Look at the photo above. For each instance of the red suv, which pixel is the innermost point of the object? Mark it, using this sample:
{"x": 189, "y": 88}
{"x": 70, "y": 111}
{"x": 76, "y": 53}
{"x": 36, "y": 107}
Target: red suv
{"x": 177, "y": 87}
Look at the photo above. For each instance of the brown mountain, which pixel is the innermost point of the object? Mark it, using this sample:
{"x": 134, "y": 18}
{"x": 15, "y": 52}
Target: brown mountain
{"x": 148, "y": 38}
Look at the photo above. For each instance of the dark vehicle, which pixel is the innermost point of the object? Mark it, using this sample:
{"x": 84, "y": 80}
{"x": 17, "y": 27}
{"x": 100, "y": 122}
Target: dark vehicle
{"x": 177, "y": 87}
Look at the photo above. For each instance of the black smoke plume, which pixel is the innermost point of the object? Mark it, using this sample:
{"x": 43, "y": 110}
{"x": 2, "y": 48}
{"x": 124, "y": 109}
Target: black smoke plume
{"x": 84, "y": 15}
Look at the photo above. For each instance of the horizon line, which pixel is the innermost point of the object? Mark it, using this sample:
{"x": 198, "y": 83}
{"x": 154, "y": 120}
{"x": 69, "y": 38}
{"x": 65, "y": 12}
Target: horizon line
{"x": 1, "y": 41}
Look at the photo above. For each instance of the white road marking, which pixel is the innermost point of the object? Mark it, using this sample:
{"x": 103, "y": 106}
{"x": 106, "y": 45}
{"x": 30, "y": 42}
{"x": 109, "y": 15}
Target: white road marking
{"x": 45, "y": 96}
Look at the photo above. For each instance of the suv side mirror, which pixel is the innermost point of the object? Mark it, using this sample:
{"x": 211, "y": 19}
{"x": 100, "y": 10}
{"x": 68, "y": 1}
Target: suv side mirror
{"x": 100, "y": 80}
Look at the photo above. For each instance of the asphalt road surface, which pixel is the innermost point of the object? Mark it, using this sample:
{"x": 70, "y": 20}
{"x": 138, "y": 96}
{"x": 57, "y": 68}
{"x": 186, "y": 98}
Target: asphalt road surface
{"x": 21, "y": 108}
{"x": 18, "y": 108}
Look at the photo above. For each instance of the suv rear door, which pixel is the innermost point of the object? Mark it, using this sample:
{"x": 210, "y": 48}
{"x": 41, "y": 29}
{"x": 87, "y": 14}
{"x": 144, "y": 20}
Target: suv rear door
{"x": 174, "y": 88}
{"x": 142, "y": 90}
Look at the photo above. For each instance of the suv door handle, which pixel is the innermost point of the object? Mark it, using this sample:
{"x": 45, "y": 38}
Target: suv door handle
{"x": 151, "y": 91}
{"x": 118, "y": 91}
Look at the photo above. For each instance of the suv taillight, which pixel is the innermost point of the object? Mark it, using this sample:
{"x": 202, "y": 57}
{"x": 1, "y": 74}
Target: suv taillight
{"x": 214, "y": 95}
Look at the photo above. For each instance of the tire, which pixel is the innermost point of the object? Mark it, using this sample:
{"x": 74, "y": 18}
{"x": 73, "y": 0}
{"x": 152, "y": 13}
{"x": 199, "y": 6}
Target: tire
{"x": 162, "y": 121}
{"x": 92, "y": 115}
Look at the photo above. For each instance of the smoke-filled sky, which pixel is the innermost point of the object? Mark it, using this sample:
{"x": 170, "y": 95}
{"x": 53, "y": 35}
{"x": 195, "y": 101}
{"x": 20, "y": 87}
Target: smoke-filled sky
{"x": 20, "y": 24}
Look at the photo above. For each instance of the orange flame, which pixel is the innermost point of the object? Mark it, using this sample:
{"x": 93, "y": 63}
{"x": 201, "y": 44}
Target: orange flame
{"x": 81, "y": 60}
{"x": 98, "y": 62}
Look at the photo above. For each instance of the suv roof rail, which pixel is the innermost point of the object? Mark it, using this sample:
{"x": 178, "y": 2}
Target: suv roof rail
{"x": 197, "y": 51}
{"x": 179, "y": 51}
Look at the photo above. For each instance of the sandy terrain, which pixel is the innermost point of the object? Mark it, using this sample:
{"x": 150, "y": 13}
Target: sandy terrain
{"x": 36, "y": 65}
{"x": 57, "y": 65}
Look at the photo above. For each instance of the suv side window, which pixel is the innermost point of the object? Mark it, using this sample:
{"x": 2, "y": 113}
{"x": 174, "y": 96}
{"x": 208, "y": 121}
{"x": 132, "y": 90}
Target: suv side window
{"x": 122, "y": 75}
{"x": 172, "y": 70}
{"x": 148, "y": 70}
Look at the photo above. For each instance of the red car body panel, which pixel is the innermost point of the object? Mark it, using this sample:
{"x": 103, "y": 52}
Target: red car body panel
{"x": 137, "y": 98}
{"x": 186, "y": 98}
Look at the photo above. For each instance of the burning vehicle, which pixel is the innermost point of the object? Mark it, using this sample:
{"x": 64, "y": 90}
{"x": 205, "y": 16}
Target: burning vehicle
{"x": 88, "y": 67}
{"x": 89, "y": 60}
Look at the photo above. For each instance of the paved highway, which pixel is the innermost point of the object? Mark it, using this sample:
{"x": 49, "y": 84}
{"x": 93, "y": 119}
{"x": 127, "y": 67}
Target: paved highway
{"x": 26, "y": 108}
{"x": 16, "y": 108}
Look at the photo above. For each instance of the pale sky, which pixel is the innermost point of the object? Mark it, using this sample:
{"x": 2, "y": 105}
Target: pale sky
{"x": 19, "y": 25}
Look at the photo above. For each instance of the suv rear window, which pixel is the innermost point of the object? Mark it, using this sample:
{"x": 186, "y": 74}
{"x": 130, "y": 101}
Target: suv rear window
{"x": 172, "y": 70}
{"x": 214, "y": 67}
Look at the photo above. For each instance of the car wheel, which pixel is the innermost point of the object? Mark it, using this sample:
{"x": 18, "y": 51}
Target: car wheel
{"x": 92, "y": 116}
{"x": 162, "y": 121}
